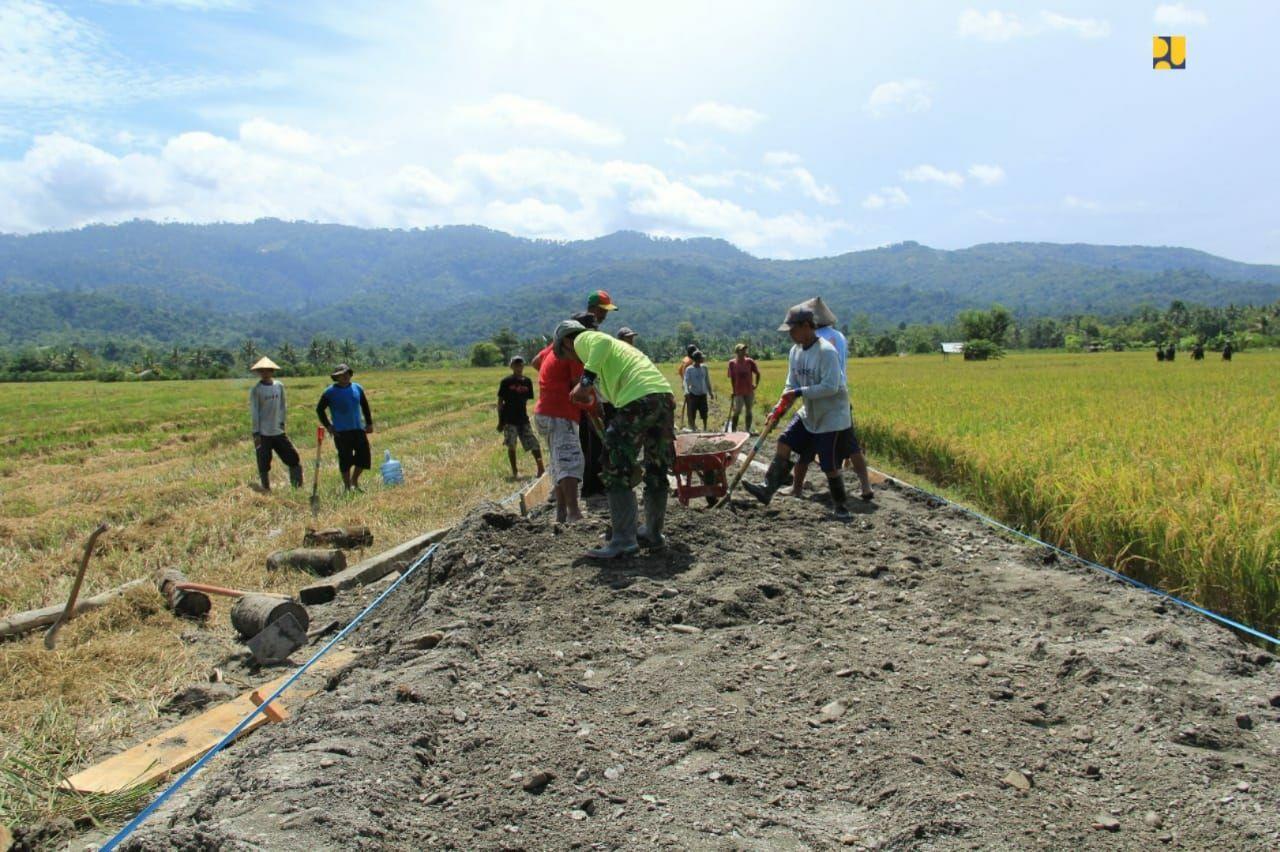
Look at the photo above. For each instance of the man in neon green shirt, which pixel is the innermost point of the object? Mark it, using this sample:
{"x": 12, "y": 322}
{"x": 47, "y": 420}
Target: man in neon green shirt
{"x": 642, "y": 420}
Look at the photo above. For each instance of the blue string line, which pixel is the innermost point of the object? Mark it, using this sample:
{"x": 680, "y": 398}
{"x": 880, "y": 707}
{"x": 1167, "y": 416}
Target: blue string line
{"x": 1110, "y": 572}
{"x": 261, "y": 708}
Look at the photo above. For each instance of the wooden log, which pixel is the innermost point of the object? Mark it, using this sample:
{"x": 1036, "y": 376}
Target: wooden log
{"x": 319, "y": 561}
{"x": 369, "y": 570}
{"x": 252, "y": 613}
{"x": 184, "y": 602}
{"x": 22, "y": 622}
{"x": 346, "y": 538}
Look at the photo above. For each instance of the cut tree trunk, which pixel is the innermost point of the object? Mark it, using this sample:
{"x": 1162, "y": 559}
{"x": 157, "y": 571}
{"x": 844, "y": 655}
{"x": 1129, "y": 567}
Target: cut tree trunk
{"x": 369, "y": 570}
{"x": 184, "y": 602}
{"x": 22, "y": 622}
{"x": 253, "y": 613}
{"x": 346, "y": 538}
{"x": 316, "y": 561}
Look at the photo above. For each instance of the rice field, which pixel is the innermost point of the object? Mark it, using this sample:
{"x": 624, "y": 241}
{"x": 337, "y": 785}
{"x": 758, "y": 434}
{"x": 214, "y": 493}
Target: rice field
{"x": 1170, "y": 472}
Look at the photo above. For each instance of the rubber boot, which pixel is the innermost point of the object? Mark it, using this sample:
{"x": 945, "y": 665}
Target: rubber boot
{"x": 839, "y": 497}
{"x": 295, "y": 476}
{"x": 779, "y": 475}
{"x": 622, "y": 512}
{"x": 655, "y": 515}
{"x": 264, "y": 478}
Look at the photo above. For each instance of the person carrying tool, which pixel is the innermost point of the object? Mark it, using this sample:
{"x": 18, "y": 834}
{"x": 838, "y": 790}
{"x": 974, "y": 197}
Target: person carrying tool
{"x": 351, "y": 426}
{"x": 641, "y": 423}
{"x": 514, "y": 393}
{"x": 558, "y": 417}
{"x": 267, "y": 415}
{"x": 850, "y": 450}
{"x": 697, "y": 390}
{"x": 813, "y": 375}
{"x": 744, "y": 378}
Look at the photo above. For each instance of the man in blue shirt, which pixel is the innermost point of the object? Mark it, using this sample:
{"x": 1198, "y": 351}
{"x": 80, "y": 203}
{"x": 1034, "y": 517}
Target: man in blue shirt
{"x": 351, "y": 425}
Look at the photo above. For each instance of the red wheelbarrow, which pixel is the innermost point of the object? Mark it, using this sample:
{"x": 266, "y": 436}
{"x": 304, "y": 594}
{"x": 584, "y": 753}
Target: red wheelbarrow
{"x": 707, "y": 455}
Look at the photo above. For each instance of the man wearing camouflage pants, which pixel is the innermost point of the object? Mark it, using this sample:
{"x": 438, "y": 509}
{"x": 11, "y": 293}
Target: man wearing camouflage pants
{"x": 642, "y": 423}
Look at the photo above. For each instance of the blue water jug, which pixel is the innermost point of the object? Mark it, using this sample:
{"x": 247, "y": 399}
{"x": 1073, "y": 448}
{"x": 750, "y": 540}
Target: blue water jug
{"x": 392, "y": 472}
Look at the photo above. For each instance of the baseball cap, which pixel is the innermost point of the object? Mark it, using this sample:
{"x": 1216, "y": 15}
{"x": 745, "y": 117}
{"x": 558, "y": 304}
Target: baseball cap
{"x": 797, "y": 316}
{"x": 586, "y": 320}
{"x": 741, "y": 347}
{"x": 563, "y": 330}
{"x": 516, "y": 359}
{"x": 600, "y": 299}
{"x": 625, "y": 332}
{"x": 339, "y": 370}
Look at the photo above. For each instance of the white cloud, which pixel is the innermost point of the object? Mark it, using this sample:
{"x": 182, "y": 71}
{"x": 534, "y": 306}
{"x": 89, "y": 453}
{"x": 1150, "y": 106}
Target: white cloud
{"x": 188, "y": 5}
{"x": 926, "y": 173}
{"x": 536, "y": 120}
{"x": 1000, "y": 26}
{"x": 1073, "y": 202}
{"x": 888, "y": 196}
{"x": 899, "y": 96}
{"x": 726, "y": 117}
{"x": 1175, "y": 16}
{"x": 809, "y": 185}
{"x": 781, "y": 158}
{"x": 696, "y": 150}
{"x": 987, "y": 175}
{"x": 273, "y": 169}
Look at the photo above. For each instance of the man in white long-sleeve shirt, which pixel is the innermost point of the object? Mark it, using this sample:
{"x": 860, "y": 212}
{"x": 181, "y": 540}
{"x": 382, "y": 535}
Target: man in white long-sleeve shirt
{"x": 267, "y": 416}
{"x": 813, "y": 375}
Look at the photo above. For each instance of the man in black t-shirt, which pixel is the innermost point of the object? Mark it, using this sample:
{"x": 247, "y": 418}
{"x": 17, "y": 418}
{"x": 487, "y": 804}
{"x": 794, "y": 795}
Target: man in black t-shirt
{"x": 514, "y": 393}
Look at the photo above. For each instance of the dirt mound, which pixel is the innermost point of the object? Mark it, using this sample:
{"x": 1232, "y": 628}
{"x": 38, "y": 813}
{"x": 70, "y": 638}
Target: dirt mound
{"x": 773, "y": 680}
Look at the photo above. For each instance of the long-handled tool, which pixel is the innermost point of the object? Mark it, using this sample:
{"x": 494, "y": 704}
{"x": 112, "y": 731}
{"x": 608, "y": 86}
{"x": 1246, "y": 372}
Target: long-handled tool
{"x": 51, "y": 635}
{"x": 755, "y": 448}
{"x": 315, "y": 476}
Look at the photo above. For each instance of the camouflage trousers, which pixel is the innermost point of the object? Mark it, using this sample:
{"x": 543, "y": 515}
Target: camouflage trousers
{"x": 647, "y": 425}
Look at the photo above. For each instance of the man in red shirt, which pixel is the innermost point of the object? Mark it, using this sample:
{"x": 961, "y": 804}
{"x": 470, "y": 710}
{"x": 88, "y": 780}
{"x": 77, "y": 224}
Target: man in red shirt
{"x": 744, "y": 377}
{"x": 557, "y": 418}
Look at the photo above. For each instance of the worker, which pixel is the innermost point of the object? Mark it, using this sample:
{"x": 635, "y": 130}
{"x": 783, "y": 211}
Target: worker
{"x": 267, "y": 415}
{"x": 558, "y": 418}
{"x": 599, "y": 305}
{"x": 641, "y": 423}
{"x": 744, "y": 378}
{"x": 351, "y": 426}
{"x": 626, "y": 335}
{"x": 514, "y": 393}
{"x": 850, "y": 450}
{"x": 697, "y": 390}
{"x": 1227, "y": 351}
{"x": 813, "y": 374}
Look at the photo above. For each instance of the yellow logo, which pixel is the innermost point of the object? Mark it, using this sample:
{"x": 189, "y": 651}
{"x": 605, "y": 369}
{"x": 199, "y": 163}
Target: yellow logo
{"x": 1168, "y": 52}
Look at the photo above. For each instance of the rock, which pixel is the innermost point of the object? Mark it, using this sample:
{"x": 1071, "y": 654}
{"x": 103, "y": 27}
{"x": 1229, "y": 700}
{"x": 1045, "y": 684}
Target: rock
{"x": 1082, "y": 734}
{"x": 577, "y": 815}
{"x": 1015, "y": 779}
{"x": 459, "y": 715}
{"x": 426, "y": 641}
{"x": 833, "y": 711}
{"x": 405, "y": 692}
{"x": 581, "y": 776}
{"x": 536, "y": 782}
{"x": 1275, "y": 700}
{"x": 1153, "y": 820}
{"x": 613, "y": 773}
{"x": 1243, "y": 787}
{"x": 848, "y": 840}
{"x": 1244, "y": 721}
{"x": 846, "y": 672}
{"x": 978, "y": 661}
{"x": 684, "y": 628}
{"x": 1105, "y": 822}
{"x": 679, "y": 735}
{"x": 668, "y": 592}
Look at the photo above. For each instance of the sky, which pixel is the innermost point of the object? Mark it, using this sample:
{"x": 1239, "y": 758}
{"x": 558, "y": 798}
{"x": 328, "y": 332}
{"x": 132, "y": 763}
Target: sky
{"x": 792, "y": 129}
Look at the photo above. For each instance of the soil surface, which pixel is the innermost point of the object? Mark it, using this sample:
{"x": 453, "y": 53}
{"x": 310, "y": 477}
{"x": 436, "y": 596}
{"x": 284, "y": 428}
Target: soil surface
{"x": 774, "y": 680}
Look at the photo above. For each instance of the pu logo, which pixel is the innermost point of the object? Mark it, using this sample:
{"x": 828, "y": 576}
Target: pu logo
{"x": 1169, "y": 52}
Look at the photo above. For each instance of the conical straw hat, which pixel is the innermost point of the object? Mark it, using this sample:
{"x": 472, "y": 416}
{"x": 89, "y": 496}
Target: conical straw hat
{"x": 265, "y": 363}
{"x": 821, "y": 313}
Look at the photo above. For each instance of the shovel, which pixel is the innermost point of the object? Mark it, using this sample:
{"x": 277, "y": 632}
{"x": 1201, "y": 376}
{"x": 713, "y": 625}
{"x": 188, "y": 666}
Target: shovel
{"x": 51, "y": 635}
{"x": 768, "y": 427}
{"x": 315, "y": 476}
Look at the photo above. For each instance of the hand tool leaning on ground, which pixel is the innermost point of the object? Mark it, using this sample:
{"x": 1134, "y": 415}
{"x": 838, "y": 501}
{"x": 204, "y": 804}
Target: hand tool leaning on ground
{"x": 781, "y": 409}
{"x": 273, "y": 626}
{"x": 315, "y": 475}
{"x": 51, "y": 635}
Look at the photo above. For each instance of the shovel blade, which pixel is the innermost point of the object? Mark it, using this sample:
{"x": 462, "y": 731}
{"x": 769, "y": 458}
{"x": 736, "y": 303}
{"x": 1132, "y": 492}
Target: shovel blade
{"x": 278, "y": 640}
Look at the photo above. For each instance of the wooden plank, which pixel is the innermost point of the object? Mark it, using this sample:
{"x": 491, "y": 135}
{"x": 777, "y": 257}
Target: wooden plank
{"x": 184, "y": 743}
{"x": 536, "y": 494}
{"x": 21, "y": 622}
{"x": 369, "y": 570}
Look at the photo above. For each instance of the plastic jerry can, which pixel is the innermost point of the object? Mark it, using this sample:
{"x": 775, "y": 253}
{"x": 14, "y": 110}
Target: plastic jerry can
{"x": 392, "y": 472}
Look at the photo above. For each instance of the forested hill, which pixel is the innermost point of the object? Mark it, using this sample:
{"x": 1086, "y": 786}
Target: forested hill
{"x": 276, "y": 281}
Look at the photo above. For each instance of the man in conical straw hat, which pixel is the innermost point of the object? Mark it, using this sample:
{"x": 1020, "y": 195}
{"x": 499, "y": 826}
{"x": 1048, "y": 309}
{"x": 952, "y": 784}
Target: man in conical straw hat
{"x": 267, "y": 414}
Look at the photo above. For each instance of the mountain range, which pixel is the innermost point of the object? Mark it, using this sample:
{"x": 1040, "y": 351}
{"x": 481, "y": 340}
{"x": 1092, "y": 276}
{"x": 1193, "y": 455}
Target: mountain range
{"x": 274, "y": 281}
